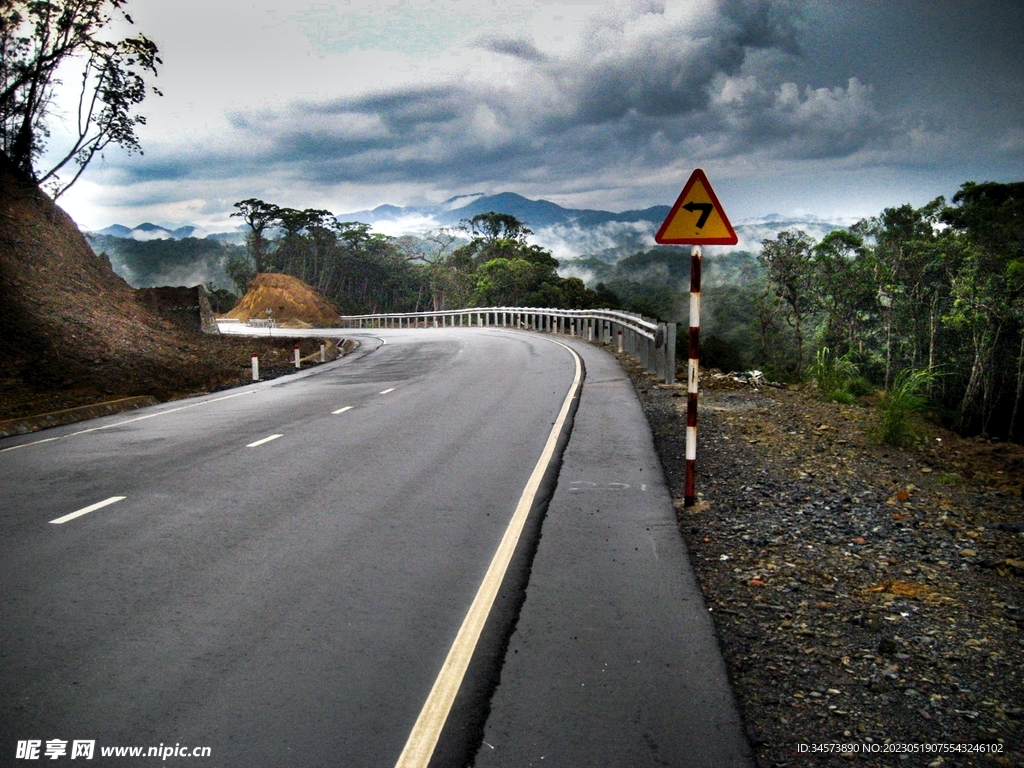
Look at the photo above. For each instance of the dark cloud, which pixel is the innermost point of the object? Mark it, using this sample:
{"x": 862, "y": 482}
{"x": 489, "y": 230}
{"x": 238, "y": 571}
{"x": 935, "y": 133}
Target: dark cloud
{"x": 636, "y": 81}
{"x": 742, "y": 81}
{"x": 764, "y": 24}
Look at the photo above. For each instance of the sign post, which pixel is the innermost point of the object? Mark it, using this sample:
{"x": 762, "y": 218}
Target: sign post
{"x": 696, "y": 219}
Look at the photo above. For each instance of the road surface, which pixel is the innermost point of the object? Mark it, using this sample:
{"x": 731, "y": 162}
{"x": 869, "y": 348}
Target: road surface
{"x": 278, "y": 573}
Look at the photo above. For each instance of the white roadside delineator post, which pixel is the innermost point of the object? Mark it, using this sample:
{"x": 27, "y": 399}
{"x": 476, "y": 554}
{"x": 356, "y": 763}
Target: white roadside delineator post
{"x": 297, "y": 363}
{"x": 255, "y": 367}
{"x": 690, "y": 492}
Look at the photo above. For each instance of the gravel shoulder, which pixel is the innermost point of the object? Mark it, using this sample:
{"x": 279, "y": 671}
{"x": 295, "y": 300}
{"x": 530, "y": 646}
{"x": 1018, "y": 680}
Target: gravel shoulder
{"x": 865, "y": 597}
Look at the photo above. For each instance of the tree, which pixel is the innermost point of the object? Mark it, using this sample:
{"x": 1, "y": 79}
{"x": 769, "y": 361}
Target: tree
{"x": 38, "y": 37}
{"x": 988, "y": 289}
{"x": 492, "y": 227}
{"x": 259, "y": 216}
{"x": 843, "y": 288}
{"x": 789, "y": 273}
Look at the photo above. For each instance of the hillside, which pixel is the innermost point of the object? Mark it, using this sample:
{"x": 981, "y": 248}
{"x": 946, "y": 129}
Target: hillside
{"x": 72, "y": 332}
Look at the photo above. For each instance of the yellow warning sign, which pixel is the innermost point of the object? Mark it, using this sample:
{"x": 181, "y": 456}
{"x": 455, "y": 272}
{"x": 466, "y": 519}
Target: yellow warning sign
{"x": 697, "y": 217}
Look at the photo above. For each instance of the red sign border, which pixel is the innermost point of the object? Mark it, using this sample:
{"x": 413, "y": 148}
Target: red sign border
{"x": 662, "y": 240}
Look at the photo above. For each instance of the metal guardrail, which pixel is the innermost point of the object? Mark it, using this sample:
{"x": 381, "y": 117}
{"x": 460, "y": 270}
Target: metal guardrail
{"x": 650, "y": 342}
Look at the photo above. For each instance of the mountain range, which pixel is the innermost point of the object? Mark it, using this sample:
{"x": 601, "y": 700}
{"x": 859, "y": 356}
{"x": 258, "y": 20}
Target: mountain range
{"x": 567, "y": 232}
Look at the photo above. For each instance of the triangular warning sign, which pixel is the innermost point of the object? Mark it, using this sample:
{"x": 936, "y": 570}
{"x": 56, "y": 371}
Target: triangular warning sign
{"x": 697, "y": 217}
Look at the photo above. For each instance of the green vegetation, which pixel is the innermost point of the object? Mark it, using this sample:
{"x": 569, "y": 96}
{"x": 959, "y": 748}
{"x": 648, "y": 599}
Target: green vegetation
{"x": 189, "y": 261}
{"x": 906, "y": 291}
{"x": 910, "y": 289}
{"x": 485, "y": 262}
{"x": 838, "y": 379}
{"x": 907, "y": 396}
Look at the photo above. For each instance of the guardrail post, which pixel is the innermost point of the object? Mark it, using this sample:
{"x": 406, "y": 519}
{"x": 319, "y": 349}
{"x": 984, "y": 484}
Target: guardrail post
{"x": 659, "y": 354}
{"x": 670, "y": 352}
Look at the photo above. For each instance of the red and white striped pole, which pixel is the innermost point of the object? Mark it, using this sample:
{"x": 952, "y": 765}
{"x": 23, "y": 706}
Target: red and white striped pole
{"x": 690, "y": 492}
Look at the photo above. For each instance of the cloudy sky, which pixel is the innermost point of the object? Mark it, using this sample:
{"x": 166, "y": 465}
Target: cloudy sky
{"x": 836, "y": 108}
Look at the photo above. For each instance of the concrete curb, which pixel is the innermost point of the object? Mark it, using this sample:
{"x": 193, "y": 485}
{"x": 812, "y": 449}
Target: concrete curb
{"x": 26, "y": 424}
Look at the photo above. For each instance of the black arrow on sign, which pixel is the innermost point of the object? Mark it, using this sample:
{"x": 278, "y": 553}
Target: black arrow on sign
{"x": 705, "y": 211}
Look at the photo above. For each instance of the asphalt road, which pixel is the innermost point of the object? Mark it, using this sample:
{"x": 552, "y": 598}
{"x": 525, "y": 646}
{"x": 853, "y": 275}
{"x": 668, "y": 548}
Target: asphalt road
{"x": 283, "y": 578}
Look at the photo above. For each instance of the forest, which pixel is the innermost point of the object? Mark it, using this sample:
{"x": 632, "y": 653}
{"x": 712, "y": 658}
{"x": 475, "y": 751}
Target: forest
{"x": 485, "y": 262}
{"x": 927, "y": 301}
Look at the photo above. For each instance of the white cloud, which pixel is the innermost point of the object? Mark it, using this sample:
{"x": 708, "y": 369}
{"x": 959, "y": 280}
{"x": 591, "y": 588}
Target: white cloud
{"x": 603, "y": 103}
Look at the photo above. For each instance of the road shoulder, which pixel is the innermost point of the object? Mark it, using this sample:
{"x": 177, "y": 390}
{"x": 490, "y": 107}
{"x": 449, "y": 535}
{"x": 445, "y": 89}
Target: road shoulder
{"x": 614, "y": 660}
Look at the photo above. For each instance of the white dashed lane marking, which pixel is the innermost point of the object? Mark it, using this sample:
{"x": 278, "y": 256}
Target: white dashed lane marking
{"x": 87, "y": 510}
{"x": 264, "y": 440}
{"x": 342, "y": 410}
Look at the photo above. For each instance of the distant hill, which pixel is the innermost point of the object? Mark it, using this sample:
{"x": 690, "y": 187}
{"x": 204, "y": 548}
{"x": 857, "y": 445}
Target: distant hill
{"x": 183, "y": 254}
{"x": 165, "y": 261}
{"x": 575, "y": 232}
{"x": 538, "y": 213}
{"x": 148, "y": 231}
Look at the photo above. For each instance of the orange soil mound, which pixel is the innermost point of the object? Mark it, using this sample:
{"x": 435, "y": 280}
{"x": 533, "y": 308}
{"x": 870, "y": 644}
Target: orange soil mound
{"x": 289, "y": 300}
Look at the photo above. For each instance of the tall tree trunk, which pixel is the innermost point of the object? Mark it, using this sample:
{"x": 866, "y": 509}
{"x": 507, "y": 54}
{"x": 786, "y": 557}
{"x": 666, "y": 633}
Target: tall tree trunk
{"x": 798, "y": 332}
{"x": 932, "y": 323}
{"x": 1020, "y": 387}
{"x": 888, "y": 351}
{"x": 974, "y": 381}
{"x": 990, "y": 380}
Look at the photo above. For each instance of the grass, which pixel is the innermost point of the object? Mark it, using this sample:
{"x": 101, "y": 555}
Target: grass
{"x": 838, "y": 378}
{"x": 896, "y": 408}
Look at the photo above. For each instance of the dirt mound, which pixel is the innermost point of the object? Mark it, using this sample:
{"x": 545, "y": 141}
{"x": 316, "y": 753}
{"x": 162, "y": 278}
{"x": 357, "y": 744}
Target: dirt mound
{"x": 289, "y": 300}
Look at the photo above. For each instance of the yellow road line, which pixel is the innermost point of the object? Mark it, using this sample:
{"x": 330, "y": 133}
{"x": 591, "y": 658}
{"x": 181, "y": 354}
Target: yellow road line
{"x": 419, "y": 747}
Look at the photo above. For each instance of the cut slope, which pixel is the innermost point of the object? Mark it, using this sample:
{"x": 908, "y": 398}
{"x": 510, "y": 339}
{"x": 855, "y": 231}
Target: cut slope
{"x": 289, "y": 301}
{"x": 68, "y": 321}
